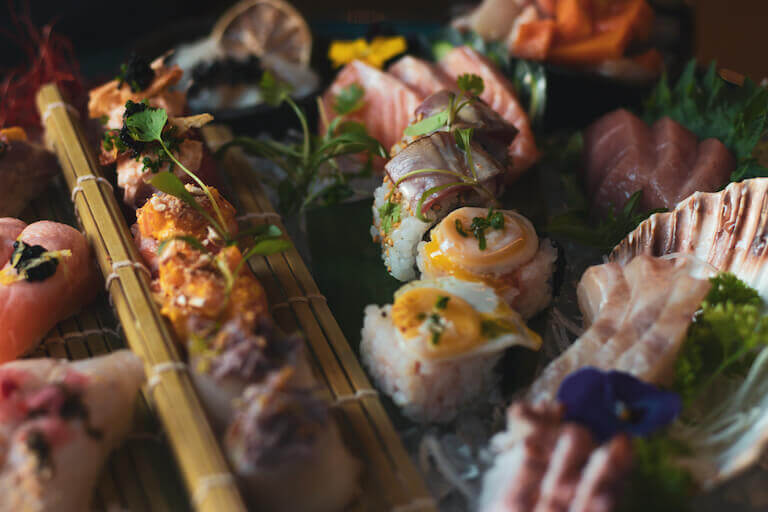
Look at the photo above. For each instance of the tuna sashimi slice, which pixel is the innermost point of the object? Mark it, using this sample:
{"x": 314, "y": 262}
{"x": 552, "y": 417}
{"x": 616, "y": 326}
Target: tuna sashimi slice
{"x": 388, "y": 103}
{"x": 423, "y": 77}
{"x": 499, "y": 95}
{"x": 28, "y": 310}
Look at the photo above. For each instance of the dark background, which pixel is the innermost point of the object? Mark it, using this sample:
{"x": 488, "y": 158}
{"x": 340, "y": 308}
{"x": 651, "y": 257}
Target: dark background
{"x": 730, "y": 30}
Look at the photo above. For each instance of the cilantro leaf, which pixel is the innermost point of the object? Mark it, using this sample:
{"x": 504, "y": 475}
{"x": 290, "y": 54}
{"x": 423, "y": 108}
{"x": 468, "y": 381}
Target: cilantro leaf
{"x": 273, "y": 90}
{"x": 470, "y": 84}
{"x": 389, "y": 213}
{"x": 349, "y": 99}
{"x": 147, "y": 125}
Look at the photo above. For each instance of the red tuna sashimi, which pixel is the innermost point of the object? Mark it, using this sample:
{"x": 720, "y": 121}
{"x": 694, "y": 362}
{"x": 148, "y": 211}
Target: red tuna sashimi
{"x": 10, "y": 228}
{"x": 28, "y": 310}
{"x": 423, "y": 77}
{"x": 388, "y": 103}
{"x": 500, "y": 96}
{"x": 666, "y": 161}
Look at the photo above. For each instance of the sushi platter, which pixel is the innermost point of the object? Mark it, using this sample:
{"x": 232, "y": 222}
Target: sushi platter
{"x": 290, "y": 266}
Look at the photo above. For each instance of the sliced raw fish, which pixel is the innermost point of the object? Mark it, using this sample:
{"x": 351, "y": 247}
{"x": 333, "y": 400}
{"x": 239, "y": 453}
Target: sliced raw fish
{"x": 645, "y": 308}
{"x": 438, "y": 151}
{"x": 544, "y": 464}
{"x": 423, "y": 77}
{"x": 28, "y": 310}
{"x": 58, "y": 422}
{"x": 667, "y": 162}
{"x": 499, "y": 95}
{"x": 388, "y": 103}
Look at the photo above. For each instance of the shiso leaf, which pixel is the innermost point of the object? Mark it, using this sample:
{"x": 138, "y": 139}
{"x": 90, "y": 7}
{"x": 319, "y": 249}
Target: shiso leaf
{"x": 349, "y": 99}
{"x": 711, "y": 107}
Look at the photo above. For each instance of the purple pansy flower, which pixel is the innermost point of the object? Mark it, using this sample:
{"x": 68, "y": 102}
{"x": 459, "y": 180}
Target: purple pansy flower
{"x": 613, "y": 402}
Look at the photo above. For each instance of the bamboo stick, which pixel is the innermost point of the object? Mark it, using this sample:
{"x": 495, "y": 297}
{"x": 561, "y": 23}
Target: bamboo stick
{"x": 176, "y": 402}
{"x": 393, "y": 480}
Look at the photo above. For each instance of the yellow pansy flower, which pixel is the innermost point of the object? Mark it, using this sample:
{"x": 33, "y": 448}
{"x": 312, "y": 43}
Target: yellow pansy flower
{"x": 375, "y": 53}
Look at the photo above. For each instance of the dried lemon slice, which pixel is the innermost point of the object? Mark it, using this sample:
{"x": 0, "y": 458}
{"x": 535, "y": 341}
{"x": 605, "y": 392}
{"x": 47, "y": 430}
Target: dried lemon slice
{"x": 256, "y": 27}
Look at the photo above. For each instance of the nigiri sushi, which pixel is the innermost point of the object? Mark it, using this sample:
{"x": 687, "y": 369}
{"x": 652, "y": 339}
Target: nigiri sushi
{"x": 497, "y": 247}
{"x": 59, "y": 420}
{"x": 434, "y": 348}
{"x": 50, "y": 276}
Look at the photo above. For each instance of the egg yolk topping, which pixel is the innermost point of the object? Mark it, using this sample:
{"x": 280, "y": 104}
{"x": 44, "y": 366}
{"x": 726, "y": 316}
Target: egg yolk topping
{"x": 445, "y": 324}
{"x": 455, "y": 249}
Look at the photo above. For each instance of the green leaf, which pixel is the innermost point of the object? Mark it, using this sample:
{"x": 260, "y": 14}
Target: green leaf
{"x": 389, "y": 213}
{"x": 147, "y": 126}
{"x": 171, "y": 184}
{"x": 349, "y": 99}
{"x": 273, "y": 90}
{"x": 265, "y": 230}
{"x": 268, "y": 247}
{"x": 470, "y": 84}
{"x": 429, "y": 124}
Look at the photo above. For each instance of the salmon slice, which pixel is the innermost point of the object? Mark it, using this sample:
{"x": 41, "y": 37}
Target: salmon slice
{"x": 28, "y": 310}
{"x": 58, "y": 422}
{"x": 388, "y": 103}
{"x": 423, "y": 77}
{"x": 10, "y": 229}
{"x": 499, "y": 95}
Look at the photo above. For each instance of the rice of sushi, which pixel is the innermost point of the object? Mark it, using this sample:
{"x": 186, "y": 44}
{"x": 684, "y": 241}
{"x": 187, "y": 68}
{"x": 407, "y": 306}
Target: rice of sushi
{"x": 427, "y": 391}
{"x": 399, "y": 245}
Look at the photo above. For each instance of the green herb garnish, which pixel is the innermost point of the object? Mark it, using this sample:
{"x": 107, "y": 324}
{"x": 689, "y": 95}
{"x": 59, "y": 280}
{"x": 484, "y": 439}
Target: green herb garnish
{"x": 724, "y": 338}
{"x": 313, "y": 176}
{"x": 147, "y": 126}
{"x": 442, "y": 302}
{"x": 389, "y": 213}
{"x": 460, "y": 229}
{"x": 494, "y": 220}
{"x": 470, "y": 86}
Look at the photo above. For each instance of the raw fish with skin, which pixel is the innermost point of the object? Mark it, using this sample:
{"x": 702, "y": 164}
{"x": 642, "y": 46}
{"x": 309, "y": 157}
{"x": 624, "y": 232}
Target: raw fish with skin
{"x": 28, "y": 310}
{"x": 543, "y": 464}
{"x": 423, "y": 77}
{"x": 25, "y": 171}
{"x": 644, "y": 312}
{"x": 439, "y": 151}
{"x": 499, "y": 95}
{"x": 388, "y": 103}
{"x": 35, "y": 393}
{"x": 622, "y": 155}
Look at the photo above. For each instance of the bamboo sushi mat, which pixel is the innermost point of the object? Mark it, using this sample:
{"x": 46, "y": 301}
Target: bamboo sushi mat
{"x": 142, "y": 474}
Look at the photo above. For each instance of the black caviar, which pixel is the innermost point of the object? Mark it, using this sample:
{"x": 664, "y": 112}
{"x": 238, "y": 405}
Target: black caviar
{"x": 25, "y": 259}
{"x": 136, "y": 72}
{"x": 136, "y": 146}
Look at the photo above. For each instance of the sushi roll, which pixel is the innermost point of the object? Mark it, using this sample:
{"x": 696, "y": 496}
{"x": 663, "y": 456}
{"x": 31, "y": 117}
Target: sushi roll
{"x": 497, "y": 247}
{"x": 434, "y": 348}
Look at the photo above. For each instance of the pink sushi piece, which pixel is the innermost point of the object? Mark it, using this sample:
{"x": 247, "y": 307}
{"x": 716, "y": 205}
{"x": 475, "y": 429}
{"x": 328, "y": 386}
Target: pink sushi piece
{"x": 666, "y": 161}
{"x": 423, "y": 77}
{"x": 499, "y": 95}
{"x": 28, "y": 310}
{"x": 388, "y": 103}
